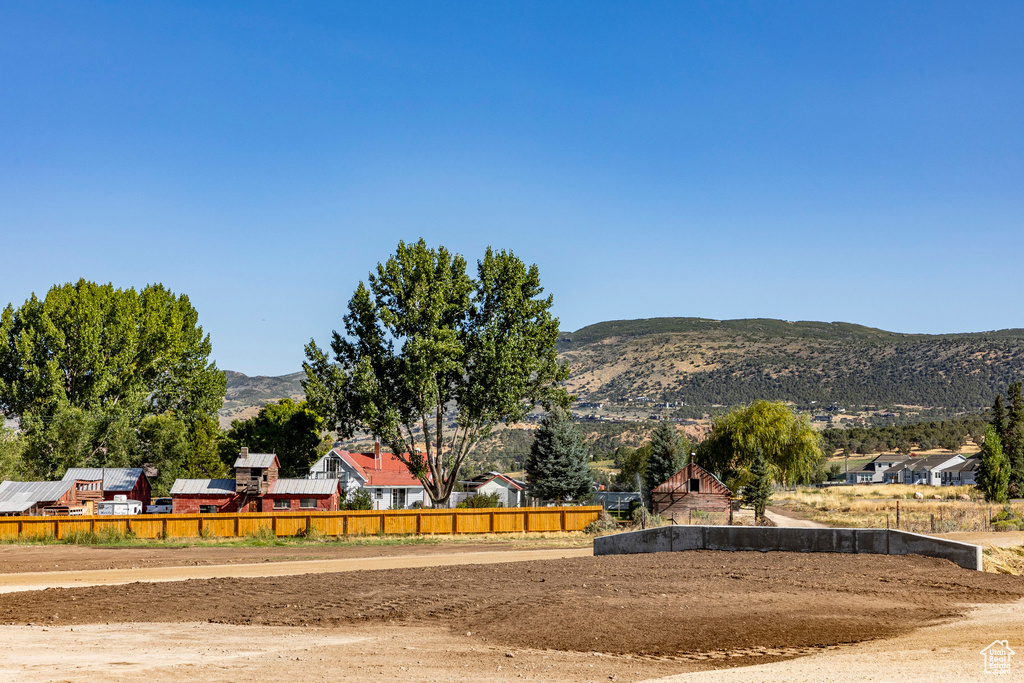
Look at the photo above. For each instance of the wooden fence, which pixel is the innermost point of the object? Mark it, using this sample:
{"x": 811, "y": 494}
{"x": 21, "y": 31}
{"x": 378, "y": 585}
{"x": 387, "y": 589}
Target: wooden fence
{"x": 239, "y": 524}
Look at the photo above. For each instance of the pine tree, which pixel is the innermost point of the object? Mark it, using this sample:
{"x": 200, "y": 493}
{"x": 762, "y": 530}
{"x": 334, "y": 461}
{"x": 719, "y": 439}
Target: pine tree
{"x": 668, "y": 455}
{"x": 557, "y": 467}
{"x": 999, "y": 417}
{"x": 994, "y": 471}
{"x": 758, "y": 493}
{"x": 1013, "y": 440}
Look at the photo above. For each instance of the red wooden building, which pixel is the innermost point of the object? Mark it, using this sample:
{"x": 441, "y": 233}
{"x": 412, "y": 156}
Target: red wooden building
{"x": 255, "y": 488}
{"x": 691, "y": 488}
{"x": 116, "y": 481}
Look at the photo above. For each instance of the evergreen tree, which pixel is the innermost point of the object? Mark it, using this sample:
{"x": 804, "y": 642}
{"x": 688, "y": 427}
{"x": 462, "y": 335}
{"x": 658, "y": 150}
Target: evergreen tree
{"x": 1013, "y": 440}
{"x": 557, "y": 467}
{"x": 668, "y": 455}
{"x": 994, "y": 472}
{"x": 758, "y": 493}
{"x": 999, "y": 417}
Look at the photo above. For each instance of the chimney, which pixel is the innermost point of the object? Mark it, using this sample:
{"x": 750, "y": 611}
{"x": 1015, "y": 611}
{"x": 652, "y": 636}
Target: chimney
{"x": 376, "y": 454}
{"x": 244, "y": 455}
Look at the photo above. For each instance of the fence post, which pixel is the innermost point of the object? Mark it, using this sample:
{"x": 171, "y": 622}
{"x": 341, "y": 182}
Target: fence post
{"x": 492, "y": 521}
{"x": 933, "y": 523}
{"x": 565, "y": 526}
{"x": 273, "y": 524}
{"x": 526, "y": 521}
{"x": 897, "y": 514}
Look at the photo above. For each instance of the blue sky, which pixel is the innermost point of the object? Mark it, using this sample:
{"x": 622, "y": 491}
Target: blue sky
{"x": 857, "y": 161}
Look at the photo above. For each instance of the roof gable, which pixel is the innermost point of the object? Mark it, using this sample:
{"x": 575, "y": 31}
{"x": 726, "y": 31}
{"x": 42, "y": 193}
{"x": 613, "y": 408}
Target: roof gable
{"x": 258, "y": 460}
{"x": 114, "y": 478}
{"x": 300, "y": 487}
{"x": 679, "y": 481}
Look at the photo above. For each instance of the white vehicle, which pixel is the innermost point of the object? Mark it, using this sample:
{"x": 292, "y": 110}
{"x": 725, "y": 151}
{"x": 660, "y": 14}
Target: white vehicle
{"x": 160, "y": 506}
{"x": 119, "y": 506}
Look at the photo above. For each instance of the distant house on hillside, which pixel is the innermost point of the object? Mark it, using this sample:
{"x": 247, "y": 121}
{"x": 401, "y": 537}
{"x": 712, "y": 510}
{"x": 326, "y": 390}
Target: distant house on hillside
{"x": 691, "y": 488}
{"x": 382, "y": 475}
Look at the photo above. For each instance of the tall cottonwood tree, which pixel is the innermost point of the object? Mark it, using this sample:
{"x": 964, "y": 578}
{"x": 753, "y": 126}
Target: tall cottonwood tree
{"x": 85, "y": 365}
{"x": 433, "y": 356}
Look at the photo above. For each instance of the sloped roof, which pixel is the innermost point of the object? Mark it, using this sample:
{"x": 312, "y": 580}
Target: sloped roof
{"x": 387, "y": 470}
{"x": 261, "y": 460}
{"x": 18, "y": 496}
{"x": 680, "y": 479}
{"x": 482, "y": 479}
{"x": 114, "y": 478}
{"x": 930, "y": 462}
{"x": 299, "y": 487}
{"x": 199, "y": 487}
{"x": 968, "y": 465}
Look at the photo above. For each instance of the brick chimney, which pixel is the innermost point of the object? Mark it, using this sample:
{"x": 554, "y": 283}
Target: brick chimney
{"x": 376, "y": 454}
{"x": 244, "y": 455}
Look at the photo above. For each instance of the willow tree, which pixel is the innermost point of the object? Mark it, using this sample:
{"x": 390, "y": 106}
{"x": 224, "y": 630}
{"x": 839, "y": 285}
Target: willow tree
{"x": 788, "y": 443}
{"x": 431, "y": 355}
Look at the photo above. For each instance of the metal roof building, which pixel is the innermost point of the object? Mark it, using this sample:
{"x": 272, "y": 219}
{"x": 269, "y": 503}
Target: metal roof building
{"x": 203, "y": 487}
{"x": 17, "y": 497}
{"x": 114, "y": 478}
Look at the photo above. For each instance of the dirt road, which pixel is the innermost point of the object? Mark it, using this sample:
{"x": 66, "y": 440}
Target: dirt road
{"x": 31, "y": 581}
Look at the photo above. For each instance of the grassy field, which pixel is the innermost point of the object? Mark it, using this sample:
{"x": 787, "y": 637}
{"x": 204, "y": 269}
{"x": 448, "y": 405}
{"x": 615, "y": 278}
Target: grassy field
{"x": 876, "y": 506}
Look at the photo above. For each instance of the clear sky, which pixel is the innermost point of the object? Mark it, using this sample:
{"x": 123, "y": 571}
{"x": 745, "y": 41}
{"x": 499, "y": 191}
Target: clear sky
{"x": 854, "y": 161}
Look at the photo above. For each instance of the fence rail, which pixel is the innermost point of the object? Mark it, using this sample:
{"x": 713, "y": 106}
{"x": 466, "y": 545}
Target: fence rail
{"x": 343, "y": 523}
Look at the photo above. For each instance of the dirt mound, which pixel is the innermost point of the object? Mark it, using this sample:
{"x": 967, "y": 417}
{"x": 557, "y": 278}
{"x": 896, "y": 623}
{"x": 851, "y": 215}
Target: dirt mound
{"x": 668, "y": 604}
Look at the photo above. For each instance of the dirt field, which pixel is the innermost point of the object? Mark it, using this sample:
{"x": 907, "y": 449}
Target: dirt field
{"x": 643, "y": 616}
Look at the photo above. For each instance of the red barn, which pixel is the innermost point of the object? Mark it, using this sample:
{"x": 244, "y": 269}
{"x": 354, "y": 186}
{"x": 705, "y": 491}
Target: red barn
{"x": 691, "y": 488}
{"x": 116, "y": 481}
{"x": 302, "y": 494}
{"x": 190, "y": 496}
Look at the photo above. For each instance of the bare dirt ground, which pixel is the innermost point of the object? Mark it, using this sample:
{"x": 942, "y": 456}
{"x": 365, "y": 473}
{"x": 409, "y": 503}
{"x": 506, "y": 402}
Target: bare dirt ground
{"x": 16, "y": 558}
{"x": 586, "y": 618}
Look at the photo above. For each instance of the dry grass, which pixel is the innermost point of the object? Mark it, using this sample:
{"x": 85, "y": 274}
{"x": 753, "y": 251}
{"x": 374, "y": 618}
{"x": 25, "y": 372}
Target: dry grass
{"x": 1004, "y": 560}
{"x": 876, "y": 506}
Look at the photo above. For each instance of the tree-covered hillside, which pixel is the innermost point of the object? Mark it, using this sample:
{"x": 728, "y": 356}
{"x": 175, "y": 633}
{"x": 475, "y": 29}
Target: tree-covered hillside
{"x": 707, "y": 362}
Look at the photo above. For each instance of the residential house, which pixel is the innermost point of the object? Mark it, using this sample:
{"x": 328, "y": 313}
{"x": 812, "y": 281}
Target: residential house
{"x": 130, "y": 482}
{"x": 511, "y": 492}
{"x": 379, "y": 473}
{"x": 691, "y": 488}
{"x": 964, "y": 474}
{"x": 926, "y": 471}
{"x": 874, "y": 471}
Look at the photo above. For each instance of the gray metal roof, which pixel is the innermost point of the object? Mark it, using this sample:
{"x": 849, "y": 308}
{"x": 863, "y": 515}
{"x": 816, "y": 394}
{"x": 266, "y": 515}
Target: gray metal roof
{"x": 114, "y": 478}
{"x": 18, "y": 496}
{"x": 256, "y": 460}
{"x": 192, "y": 487}
{"x": 298, "y": 487}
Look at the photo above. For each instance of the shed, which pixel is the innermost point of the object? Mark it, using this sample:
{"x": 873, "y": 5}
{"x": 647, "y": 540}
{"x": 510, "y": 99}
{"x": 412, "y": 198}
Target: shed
{"x": 254, "y": 472}
{"x": 692, "y": 488}
{"x": 302, "y": 494}
{"x": 204, "y": 495}
{"x": 33, "y": 497}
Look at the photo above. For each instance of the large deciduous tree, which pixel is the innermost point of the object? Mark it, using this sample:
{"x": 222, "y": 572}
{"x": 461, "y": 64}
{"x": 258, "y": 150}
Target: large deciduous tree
{"x": 291, "y": 430}
{"x": 83, "y": 367}
{"x": 787, "y": 441}
{"x": 433, "y": 356}
{"x": 557, "y": 468}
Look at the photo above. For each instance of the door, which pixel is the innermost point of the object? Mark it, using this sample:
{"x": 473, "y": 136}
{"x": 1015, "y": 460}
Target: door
{"x": 398, "y": 498}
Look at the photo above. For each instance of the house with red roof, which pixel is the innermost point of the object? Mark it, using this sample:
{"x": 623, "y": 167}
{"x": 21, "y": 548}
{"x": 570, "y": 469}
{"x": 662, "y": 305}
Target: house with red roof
{"x": 379, "y": 473}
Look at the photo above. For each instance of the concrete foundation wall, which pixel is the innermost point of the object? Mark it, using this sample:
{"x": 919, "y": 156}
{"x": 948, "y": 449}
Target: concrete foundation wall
{"x": 796, "y": 540}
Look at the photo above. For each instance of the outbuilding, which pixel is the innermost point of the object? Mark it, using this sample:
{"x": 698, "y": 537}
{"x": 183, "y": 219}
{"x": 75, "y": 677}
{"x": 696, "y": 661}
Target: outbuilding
{"x": 130, "y": 482}
{"x": 691, "y": 489}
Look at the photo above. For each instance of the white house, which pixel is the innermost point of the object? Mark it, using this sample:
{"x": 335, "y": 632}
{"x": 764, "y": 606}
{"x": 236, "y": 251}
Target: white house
{"x": 874, "y": 471}
{"x": 963, "y": 474}
{"x": 511, "y": 492}
{"x": 926, "y": 471}
{"x": 381, "y": 474}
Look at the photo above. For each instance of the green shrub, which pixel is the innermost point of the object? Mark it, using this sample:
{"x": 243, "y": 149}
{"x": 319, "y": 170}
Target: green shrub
{"x": 1008, "y": 519}
{"x": 481, "y": 500}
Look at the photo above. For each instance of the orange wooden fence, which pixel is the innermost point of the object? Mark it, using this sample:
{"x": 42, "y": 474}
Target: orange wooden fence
{"x": 227, "y": 525}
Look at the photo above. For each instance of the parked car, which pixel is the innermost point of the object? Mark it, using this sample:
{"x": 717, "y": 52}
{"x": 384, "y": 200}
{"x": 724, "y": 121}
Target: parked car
{"x": 160, "y": 506}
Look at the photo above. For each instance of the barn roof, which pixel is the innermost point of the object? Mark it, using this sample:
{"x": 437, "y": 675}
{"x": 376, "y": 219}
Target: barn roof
{"x": 680, "y": 479}
{"x": 114, "y": 478}
{"x": 199, "y": 487}
{"x": 298, "y": 487}
{"x": 18, "y": 496}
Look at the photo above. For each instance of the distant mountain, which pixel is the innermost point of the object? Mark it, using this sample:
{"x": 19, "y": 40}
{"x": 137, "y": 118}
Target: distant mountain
{"x": 246, "y": 395}
{"x": 727, "y": 362}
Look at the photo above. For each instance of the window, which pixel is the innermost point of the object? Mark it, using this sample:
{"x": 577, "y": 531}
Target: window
{"x": 207, "y": 509}
{"x": 307, "y": 503}
{"x": 378, "y": 494}
{"x": 282, "y": 504}
{"x": 695, "y": 485}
